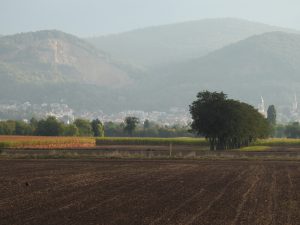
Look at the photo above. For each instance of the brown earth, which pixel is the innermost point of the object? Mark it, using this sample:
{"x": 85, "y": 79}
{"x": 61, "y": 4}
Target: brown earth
{"x": 132, "y": 192}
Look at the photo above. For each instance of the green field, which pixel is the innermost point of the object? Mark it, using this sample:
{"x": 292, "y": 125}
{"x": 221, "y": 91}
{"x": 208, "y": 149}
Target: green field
{"x": 152, "y": 141}
{"x": 31, "y": 147}
{"x": 277, "y": 142}
{"x": 193, "y": 141}
{"x": 73, "y": 142}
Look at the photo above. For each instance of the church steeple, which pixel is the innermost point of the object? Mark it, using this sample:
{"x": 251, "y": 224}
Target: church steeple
{"x": 295, "y": 104}
{"x": 261, "y": 107}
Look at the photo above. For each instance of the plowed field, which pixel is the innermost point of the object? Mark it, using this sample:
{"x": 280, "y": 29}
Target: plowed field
{"x": 149, "y": 192}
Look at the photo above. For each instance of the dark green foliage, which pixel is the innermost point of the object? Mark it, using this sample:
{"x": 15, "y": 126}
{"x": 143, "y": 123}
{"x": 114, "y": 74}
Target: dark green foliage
{"x": 7, "y": 127}
{"x": 97, "y": 128}
{"x": 84, "y": 127}
{"x": 279, "y": 131}
{"x": 11, "y": 127}
{"x": 271, "y": 115}
{"x": 146, "y": 124}
{"x": 34, "y": 123}
{"x": 52, "y": 127}
{"x": 154, "y": 130}
{"x": 130, "y": 124}
{"x": 114, "y": 129}
{"x": 22, "y": 128}
{"x": 226, "y": 123}
{"x": 70, "y": 130}
{"x": 49, "y": 127}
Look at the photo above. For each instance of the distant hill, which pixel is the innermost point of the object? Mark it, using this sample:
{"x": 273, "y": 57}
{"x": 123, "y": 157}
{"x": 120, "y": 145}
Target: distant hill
{"x": 52, "y": 66}
{"x": 263, "y": 65}
{"x": 54, "y": 56}
{"x": 178, "y": 42}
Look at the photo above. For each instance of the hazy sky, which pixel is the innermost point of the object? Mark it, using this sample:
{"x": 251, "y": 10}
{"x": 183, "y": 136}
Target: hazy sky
{"x": 95, "y": 17}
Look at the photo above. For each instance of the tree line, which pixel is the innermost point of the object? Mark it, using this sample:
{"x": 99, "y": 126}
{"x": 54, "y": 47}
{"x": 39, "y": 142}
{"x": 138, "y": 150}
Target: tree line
{"x": 52, "y": 127}
{"x": 291, "y": 130}
{"x": 131, "y": 126}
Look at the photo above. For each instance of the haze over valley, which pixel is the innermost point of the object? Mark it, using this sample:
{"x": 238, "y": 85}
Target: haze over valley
{"x": 138, "y": 112}
{"x": 152, "y": 69}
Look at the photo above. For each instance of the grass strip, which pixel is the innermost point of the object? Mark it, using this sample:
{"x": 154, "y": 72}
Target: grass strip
{"x": 277, "y": 142}
{"x": 151, "y": 141}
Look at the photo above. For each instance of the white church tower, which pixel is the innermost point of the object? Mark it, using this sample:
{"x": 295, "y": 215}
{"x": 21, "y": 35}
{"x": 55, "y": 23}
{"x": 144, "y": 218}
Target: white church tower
{"x": 295, "y": 105}
{"x": 261, "y": 107}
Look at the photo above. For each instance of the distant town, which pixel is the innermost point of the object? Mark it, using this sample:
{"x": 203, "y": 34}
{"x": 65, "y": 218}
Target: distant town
{"x": 63, "y": 112}
{"x": 25, "y": 111}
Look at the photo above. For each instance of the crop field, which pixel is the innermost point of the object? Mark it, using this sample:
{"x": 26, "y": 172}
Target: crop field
{"x": 188, "y": 141}
{"x": 45, "y": 142}
{"x": 69, "y": 142}
{"x": 26, "y": 147}
{"x": 77, "y": 142}
{"x": 149, "y": 192}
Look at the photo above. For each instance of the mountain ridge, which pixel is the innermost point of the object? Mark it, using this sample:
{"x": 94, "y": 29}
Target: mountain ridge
{"x": 157, "y": 45}
{"x": 266, "y": 64}
{"x": 33, "y": 68}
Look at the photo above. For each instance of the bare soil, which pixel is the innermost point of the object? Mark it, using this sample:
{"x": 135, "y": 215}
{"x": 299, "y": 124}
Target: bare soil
{"x": 136, "y": 192}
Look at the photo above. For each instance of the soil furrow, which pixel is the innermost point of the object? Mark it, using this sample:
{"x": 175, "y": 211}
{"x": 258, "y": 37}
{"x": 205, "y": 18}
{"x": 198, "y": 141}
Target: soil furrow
{"x": 153, "y": 192}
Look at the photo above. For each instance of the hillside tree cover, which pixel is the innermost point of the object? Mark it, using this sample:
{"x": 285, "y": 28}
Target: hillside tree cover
{"x": 226, "y": 123}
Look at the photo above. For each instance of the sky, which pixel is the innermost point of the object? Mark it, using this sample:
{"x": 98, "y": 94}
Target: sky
{"x": 86, "y": 18}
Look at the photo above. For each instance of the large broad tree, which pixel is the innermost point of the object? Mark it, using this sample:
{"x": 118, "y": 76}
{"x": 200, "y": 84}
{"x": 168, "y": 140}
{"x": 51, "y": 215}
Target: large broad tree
{"x": 226, "y": 123}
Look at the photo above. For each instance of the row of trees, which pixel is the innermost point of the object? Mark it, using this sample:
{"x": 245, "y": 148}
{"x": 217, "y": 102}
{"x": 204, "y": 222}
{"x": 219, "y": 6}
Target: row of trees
{"x": 291, "y": 130}
{"x": 133, "y": 127}
{"x": 52, "y": 127}
{"x": 227, "y": 123}
{"x": 81, "y": 127}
